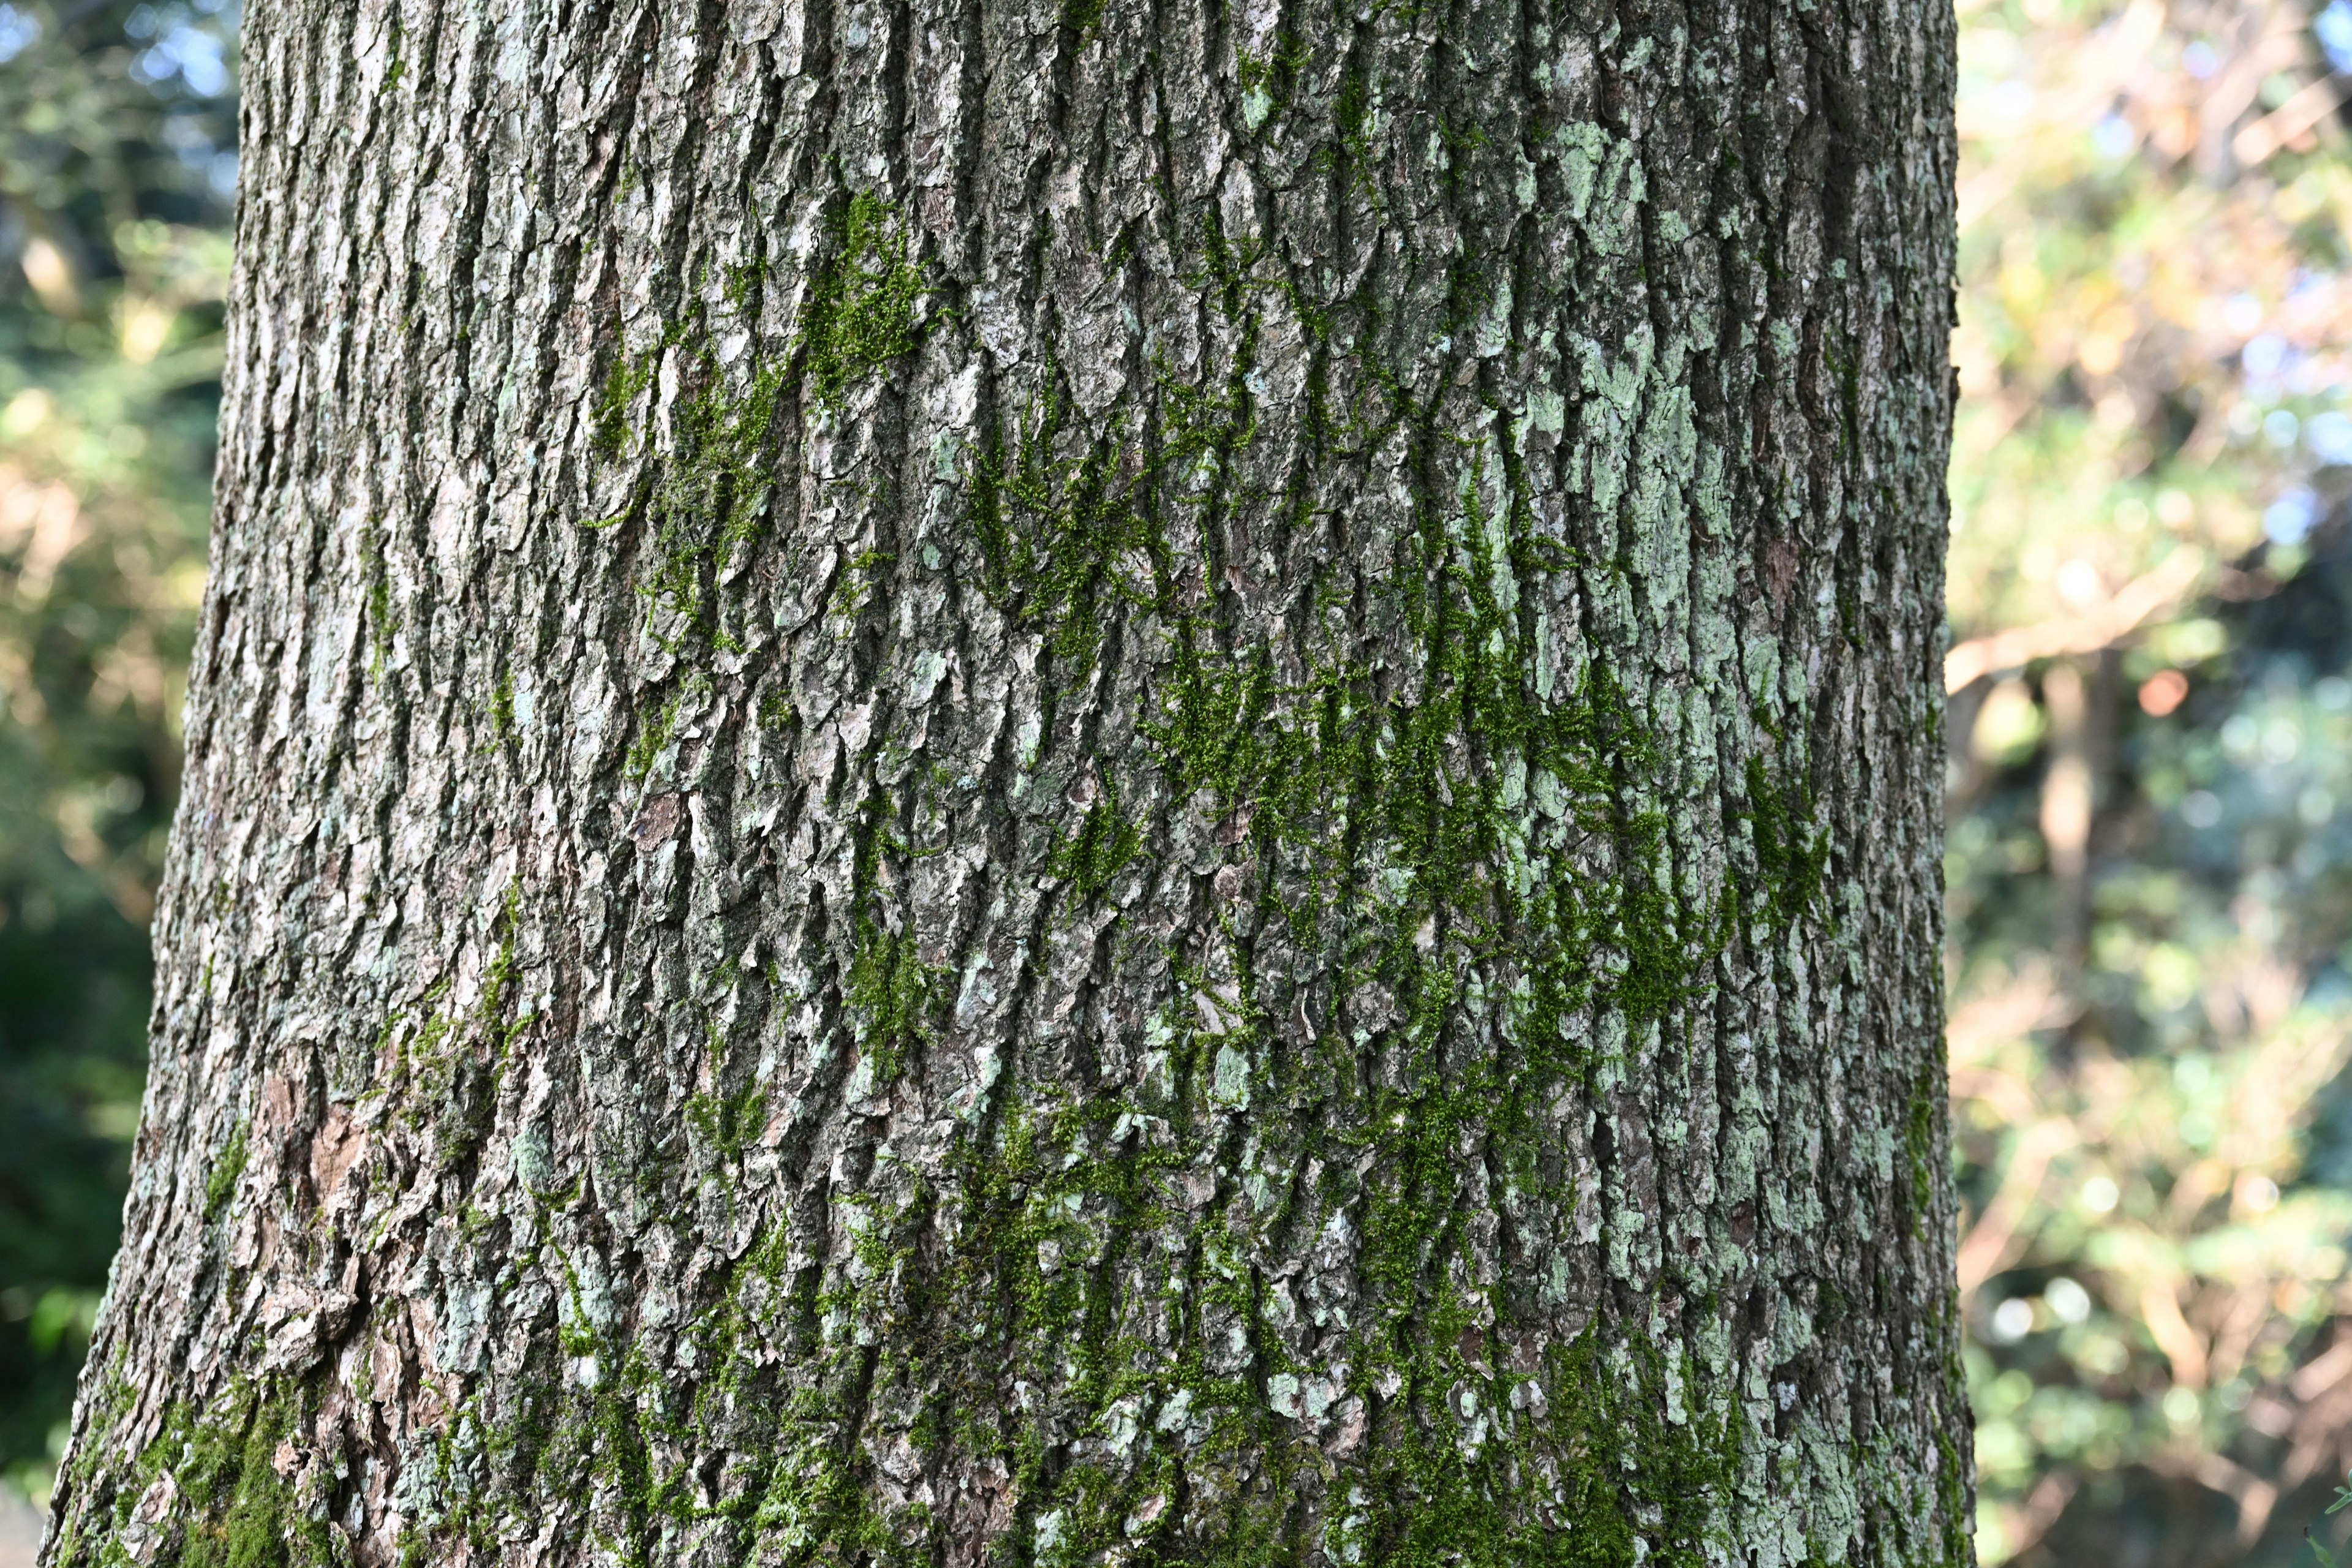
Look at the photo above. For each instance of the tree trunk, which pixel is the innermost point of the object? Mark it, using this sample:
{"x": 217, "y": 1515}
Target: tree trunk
{"x": 985, "y": 784}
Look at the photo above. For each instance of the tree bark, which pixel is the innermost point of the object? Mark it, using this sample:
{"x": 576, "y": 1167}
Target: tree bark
{"x": 984, "y": 783}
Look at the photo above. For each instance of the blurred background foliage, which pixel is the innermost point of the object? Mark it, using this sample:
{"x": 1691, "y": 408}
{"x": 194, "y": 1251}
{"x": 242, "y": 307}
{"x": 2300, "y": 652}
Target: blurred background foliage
{"x": 117, "y": 167}
{"x": 2150, "y": 791}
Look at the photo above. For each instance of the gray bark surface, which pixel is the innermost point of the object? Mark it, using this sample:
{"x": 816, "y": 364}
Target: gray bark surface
{"x": 994, "y": 784}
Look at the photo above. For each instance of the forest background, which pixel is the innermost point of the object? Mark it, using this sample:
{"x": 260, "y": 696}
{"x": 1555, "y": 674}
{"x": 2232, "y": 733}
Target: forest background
{"x": 2151, "y": 790}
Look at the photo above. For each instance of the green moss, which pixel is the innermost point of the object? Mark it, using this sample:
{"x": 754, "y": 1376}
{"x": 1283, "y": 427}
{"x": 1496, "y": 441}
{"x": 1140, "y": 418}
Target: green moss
{"x": 1395, "y": 807}
{"x": 1952, "y": 1489}
{"x": 1064, "y": 538}
{"x": 1269, "y": 82}
{"x": 253, "y": 1532}
{"x": 1103, "y": 845}
{"x": 110, "y": 1399}
{"x": 887, "y": 986}
{"x": 654, "y": 738}
{"x": 1926, "y": 1114}
{"x": 1335, "y": 773}
{"x": 609, "y": 427}
{"x": 859, "y": 315}
{"x": 220, "y": 1183}
{"x": 1790, "y": 855}
{"x": 1351, "y": 149}
{"x": 1490, "y": 852}
{"x": 710, "y": 499}
{"x": 1229, "y": 279}
{"x": 234, "y": 1510}
{"x": 742, "y": 285}
{"x": 451, "y": 1064}
{"x": 1608, "y": 1477}
{"x": 889, "y": 995}
{"x": 502, "y": 707}
{"x": 776, "y": 710}
{"x": 707, "y": 496}
{"x": 383, "y": 623}
{"x": 726, "y": 1122}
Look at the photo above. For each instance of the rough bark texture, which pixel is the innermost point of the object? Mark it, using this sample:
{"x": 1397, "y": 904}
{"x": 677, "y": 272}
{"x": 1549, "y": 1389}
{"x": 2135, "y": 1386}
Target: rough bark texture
{"x": 981, "y": 784}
